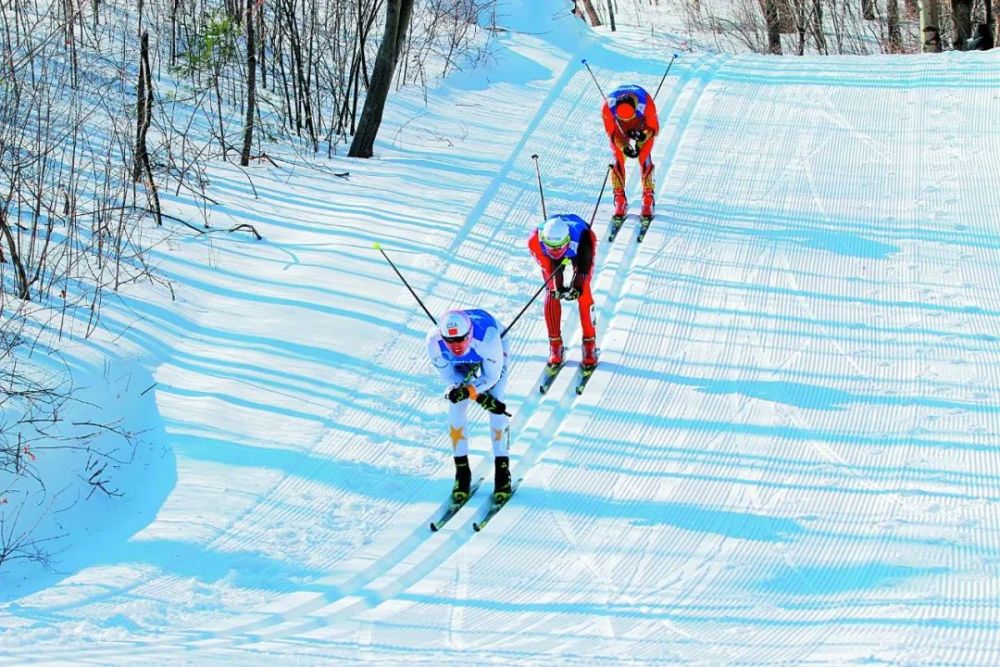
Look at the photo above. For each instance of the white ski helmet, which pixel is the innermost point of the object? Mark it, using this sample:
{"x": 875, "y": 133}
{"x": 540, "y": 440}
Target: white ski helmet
{"x": 554, "y": 233}
{"x": 455, "y": 328}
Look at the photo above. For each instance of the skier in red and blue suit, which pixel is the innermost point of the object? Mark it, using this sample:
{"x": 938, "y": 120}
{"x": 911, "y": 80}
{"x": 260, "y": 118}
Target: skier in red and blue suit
{"x": 631, "y": 124}
{"x": 567, "y": 236}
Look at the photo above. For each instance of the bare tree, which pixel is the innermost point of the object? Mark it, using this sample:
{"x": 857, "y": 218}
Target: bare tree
{"x": 895, "y": 36}
{"x": 251, "y": 85}
{"x": 770, "y": 8}
{"x": 144, "y": 107}
{"x": 961, "y": 11}
{"x": 588, "y": 7}
{"x": 816, "y": 24}
{"x": 397, "y": 18}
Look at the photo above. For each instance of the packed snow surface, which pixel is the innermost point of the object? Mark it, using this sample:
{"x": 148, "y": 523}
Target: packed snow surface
{"x": 788, "y": 454}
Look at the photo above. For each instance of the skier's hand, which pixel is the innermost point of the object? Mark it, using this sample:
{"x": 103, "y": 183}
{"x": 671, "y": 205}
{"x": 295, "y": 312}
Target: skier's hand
{"x": 638, "y": 136}
{"x": 460, "y": 393}
{"x": 491, "y": 404}
{"x": 571, "y": 294}
{"x": 631, "y": 151}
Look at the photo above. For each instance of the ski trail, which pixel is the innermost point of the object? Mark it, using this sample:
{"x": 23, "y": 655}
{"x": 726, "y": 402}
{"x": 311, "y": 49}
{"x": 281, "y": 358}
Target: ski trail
{"x": 395, "y": 575}
{"x": 366, "y": 569}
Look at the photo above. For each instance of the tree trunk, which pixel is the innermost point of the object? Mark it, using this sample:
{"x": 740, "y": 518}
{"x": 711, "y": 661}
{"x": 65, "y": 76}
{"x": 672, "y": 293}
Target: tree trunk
{"x": 142, "y": 117}
{"x": 817, "y": 27}
{"x": 773, "y": 28}
{"x": 397, "y": 18}
{"x": 251, "y": 86}
{"x": 895, "y": 44}
{"x": 142, "y": 168}
{"x": 173, "y": 32}
{"x": 789, "y": 11}
{"x": 15, "y": 257}
{"x": 962, "y": 14}
{"x": 868, "y": 10}
{"x": 588, "y": 7}
{"x": 611, "y": 15}
{"x": 995, "y": 24}
{"x": 71, "y": 42}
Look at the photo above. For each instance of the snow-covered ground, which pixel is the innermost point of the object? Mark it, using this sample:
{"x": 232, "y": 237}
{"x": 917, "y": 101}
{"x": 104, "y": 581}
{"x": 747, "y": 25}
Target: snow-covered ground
{"x": 786, "y": 457}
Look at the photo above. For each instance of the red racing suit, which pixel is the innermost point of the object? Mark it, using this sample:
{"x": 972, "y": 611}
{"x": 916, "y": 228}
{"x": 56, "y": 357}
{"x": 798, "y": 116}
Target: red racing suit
{"x": 581, "y": 253}
{"x": 645, "y": 124}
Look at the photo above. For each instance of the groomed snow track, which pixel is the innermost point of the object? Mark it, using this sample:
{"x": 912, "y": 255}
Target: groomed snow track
{"x": 787, "y": 456}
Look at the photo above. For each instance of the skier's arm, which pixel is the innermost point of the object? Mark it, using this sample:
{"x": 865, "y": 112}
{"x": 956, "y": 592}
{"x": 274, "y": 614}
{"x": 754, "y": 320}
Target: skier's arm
{"x": 491, "y": 351}
{"x": 652, "y": 120}
{"x": 583, "y": 263}
{"x": 645, "y": 148}
{"x": 611, "y": 128}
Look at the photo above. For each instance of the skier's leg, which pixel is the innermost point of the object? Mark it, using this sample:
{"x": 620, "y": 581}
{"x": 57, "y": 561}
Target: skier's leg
{"x": 618, "y": 181}
{"x": 553, "y": 322}
{"x": 500, "y": 435}
{"x": 648, "y": 180}
{"x": 500, "y": 424}
{"x": 586, "y": 305}
{"x": 458, "y": 419}
{"x": 585, "y": 302}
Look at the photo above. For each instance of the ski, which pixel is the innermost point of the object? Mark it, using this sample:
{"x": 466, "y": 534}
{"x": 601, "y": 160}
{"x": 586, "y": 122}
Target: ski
{"x": 453, "y": 507}
{"x": 549, "y": 376}
{"x": 585, "y": 374}
{"x": 494, "y": 507}
{"x": 616, "y": 226}
{"x": 644, "y": 223}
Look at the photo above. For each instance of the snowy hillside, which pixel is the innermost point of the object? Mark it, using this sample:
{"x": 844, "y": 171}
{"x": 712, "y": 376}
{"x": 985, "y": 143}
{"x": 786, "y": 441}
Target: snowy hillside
{"x": 786, "y": 456}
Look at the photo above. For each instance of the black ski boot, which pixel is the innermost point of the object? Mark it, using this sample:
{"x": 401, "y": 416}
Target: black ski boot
{"x": 463, "y": 480}
{"x": 501, "y": 479}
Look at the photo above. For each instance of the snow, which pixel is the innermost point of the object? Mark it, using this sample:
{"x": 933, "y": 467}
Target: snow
{"x": 786, "y": 455}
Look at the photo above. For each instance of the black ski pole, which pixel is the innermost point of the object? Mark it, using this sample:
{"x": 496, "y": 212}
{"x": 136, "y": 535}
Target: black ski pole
{"x": 600, "y": 195}
{"x": 669, "y": 65}
{"x": 541, "y": 193}
{"x": 532, "y": 300}
{"x": 585, "y": 64}
{"x": 604, "y": 97}
{"x": 378, "y": 246}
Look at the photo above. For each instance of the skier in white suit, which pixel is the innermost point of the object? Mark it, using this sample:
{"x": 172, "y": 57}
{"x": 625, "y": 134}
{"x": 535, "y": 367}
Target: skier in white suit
{"x": 467, "y": 350}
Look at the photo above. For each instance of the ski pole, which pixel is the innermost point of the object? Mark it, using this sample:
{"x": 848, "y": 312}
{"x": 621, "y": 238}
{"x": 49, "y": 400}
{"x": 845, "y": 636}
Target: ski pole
{"x": 378, "y": 246}
{"x": 540, "y": 192}
{"x": 600, "y": 195}
{"x": 585, "y": 64}
{"x": 669, "y": 65}
{"x": 532, "y": 300}
{"x": 604, "y": 97}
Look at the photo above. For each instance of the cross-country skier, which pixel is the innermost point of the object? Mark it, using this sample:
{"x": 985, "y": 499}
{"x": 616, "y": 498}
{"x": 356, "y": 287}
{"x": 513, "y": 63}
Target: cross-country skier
{"x": 560, "y": 237}
{"x": 467, "y": 350}
{"x": 631, "y": 124}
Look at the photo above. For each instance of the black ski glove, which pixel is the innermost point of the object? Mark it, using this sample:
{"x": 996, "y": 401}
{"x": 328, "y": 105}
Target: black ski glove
{"x": 637, "y": 136}
{"x": 630, "y": 151}
{"x": 491, "y": 404}
{"x": 571, "y": 294}
{"x": 458, "y": 394}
